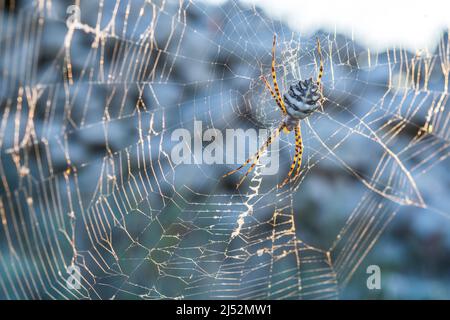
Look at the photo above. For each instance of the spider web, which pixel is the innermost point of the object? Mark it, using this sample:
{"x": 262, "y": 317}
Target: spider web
{"x": 87, "y": 114}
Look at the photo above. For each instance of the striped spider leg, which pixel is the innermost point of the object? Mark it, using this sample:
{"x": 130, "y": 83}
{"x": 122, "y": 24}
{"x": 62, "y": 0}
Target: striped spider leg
{"x": 255, "y": 158}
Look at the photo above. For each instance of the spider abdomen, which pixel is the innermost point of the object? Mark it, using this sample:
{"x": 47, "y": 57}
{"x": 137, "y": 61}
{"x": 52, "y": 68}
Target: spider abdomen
{"x": 302, "y": 99}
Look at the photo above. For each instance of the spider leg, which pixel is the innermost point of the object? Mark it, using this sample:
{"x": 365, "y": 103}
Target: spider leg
{"x": 277, "y": 99}
{"x": 255, "y": 158}
{"x": 258, "y": 155}
{"x": 297, "y": 156}
{"x": 299, "y": 143}
{"x": 280, "y": 101}
{"x": 240, "y": 167}
{"x": 319, "y": 76}
{"x": 319, "y": 50}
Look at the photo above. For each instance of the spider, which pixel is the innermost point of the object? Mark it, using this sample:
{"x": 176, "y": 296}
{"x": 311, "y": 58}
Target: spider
{"x": 300, "y": 101}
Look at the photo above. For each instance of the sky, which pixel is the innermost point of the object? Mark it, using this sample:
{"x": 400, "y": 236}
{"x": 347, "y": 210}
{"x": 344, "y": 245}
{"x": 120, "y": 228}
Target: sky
{"x": 376, "y": 24}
